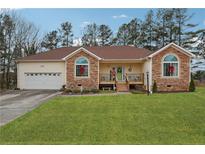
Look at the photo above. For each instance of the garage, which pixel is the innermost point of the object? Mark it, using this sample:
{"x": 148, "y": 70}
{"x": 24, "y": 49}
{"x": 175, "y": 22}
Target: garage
{"x": 48, "y": 80}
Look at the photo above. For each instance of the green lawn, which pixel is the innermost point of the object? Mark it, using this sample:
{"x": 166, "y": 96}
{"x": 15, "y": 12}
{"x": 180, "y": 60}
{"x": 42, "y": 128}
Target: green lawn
{"x": 177, "y": 118}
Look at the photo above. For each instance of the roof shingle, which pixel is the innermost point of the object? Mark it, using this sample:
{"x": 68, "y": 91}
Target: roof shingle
{"x": 105, "y": 52}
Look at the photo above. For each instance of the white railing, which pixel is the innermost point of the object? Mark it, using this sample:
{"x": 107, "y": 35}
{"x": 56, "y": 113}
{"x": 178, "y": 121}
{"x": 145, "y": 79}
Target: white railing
{"x": 105, "y": 77}
{"x": 135, "y": 77}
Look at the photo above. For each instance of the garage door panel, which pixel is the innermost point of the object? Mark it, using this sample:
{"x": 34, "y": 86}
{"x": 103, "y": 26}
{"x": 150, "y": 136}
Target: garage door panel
{"x": 43, "y": 80}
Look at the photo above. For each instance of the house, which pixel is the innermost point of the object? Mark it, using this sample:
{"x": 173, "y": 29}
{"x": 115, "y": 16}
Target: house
{"x": 121, "y": 67}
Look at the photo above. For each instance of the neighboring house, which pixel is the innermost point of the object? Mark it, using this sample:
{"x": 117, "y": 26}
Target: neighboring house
{"x": 122, "y": 67}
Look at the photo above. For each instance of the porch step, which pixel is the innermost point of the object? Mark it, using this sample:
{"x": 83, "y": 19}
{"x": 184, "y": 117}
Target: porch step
{"x": 122, "y": 87}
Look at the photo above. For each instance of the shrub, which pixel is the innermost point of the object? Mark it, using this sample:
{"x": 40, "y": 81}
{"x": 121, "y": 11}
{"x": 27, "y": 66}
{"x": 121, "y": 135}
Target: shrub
{"x": 63, "y": 88}
{"x": 94, "y": 91}
{"x": 154, "y": 88}
{"x": 86, "y": 91}
{"x": 76, "y": 91}
{"x": 67, "y": 90}
{"x": 192, "y": 85}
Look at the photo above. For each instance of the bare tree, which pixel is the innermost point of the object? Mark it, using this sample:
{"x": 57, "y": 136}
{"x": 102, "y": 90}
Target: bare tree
{"x": 17, "y": 39}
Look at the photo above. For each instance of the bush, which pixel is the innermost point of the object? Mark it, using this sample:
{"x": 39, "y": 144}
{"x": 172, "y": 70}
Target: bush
{"x": 94, "y": 91}
{"x": 86, "y": 91}
{"x": 67, "y": 90}
{"x": 63, "y": 88}
{"x": 76, "y": 91}
{"x": 192, "y": 85}
{"x": 154, "y": 88}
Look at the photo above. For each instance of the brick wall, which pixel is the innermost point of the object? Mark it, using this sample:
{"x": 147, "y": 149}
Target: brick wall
{"x": 90, "y": 82}
{"x": 176, "y": 84}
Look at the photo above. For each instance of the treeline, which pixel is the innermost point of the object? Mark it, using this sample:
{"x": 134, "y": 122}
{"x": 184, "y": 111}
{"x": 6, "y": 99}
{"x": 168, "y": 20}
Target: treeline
{"x": 19, "y": 37}
{"x": 158, "y": 28}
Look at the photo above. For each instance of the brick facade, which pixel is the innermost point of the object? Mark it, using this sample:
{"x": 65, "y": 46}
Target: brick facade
{"x": 180, "y": 83}
{"x": 90, "y": 82}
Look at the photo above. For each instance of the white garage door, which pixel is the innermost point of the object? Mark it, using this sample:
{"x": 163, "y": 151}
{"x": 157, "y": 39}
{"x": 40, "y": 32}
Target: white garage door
{"x": 43, "y": 80}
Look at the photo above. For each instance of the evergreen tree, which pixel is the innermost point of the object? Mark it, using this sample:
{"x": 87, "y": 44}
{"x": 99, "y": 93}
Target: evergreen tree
{"x": 160, "y": 28}
{"x": 192, "y": 85}
{"x": 104, "y": 35}
{"x": 201, "y": 46}
{"x": 66, "y": 35}
{"x": 169, "y": 26}
{"x": 148, "y": 28}
{"x": 184, "y": 37}
{"x": 90, "y": 35}
{"x": 134, "y": 32}
{"x": 50, "y": 40}
{"x": 123, "y": 35}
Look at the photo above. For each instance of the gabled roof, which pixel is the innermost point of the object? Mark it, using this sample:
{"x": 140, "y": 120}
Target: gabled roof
{"x": 174, "y": 46}
{"x": 79, "y": 50}
{"x": 99, "y": 52}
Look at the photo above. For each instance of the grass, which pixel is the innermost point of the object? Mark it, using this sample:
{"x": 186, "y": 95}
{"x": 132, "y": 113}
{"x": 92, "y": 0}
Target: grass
{"x": 176, "y": 118}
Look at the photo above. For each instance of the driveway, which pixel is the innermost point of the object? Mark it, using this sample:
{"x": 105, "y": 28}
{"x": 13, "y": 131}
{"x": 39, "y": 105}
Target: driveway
{"x": 14, "y": 104}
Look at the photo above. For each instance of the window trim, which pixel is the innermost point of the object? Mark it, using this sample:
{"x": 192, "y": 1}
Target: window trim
{"x": 82, "y": 77}
{"x": 163, "y": 62}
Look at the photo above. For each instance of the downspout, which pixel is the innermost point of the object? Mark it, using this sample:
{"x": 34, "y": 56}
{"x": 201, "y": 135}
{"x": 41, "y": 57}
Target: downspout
{"x": 65, "y": 80}
{"x": 98, "y": 74}
{"x": 150, "y": 76}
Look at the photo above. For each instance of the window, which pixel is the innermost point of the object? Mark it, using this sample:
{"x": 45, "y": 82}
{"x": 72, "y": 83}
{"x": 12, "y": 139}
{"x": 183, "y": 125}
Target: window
{"x": 81, "y": 67}
{"x": 170, "y": 66}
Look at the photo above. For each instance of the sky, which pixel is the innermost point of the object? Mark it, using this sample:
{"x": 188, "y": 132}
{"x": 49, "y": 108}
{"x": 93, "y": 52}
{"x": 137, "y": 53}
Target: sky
{"x": 50, "y": 19}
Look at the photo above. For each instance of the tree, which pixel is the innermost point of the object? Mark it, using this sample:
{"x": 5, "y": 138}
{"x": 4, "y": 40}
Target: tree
{"x": 184, "y": 37}
{"x": 15, "y": 35}
{"x": 149, "y": 29}
{"x": 201, "y": 45}
{"x": 123, "y": 35}
{"x": 90, "y": 35}
{"x": 160, "y": 29}
{"x": 134, "y": 32}
{"x": 192, "y": 85}
{"x": 66, "y": 35}
{"x": 51, "y": 40}
{"x": 8, "y": 28}
{"x": 104, "y": 35}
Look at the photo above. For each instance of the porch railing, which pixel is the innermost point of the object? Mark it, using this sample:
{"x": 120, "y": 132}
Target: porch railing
{"x": 138, "y": 77}
{"x": 106, "y": 77}
{"x": 135, "y": 77}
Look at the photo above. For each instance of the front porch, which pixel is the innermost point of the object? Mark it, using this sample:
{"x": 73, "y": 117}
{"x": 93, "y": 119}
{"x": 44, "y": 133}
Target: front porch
{"x": 122, "y": 77}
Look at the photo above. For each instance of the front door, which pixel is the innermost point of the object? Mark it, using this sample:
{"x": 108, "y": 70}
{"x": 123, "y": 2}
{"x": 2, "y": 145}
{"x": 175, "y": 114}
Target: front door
{"x": 120, "y": 73}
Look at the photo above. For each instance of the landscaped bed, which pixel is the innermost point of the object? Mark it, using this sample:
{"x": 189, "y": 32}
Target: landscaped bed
{"x": 174, "y": 118}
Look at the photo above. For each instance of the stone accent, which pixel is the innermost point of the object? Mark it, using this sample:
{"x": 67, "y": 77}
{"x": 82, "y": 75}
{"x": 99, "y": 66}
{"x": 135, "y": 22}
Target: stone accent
{"x": 90, "y": 82}
{"x": 171, "y": 84}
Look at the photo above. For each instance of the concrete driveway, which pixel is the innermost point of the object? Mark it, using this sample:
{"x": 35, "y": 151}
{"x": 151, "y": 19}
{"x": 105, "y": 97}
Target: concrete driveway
{"x": 14, "y": 104}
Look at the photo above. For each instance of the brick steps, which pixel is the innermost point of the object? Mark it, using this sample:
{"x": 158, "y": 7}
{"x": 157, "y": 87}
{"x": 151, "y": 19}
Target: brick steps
{"x": 122, "y": 87}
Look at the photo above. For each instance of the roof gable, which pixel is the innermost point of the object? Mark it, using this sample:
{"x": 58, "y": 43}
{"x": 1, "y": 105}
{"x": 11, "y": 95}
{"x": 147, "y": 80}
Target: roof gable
{"x": 79, "y": 50}
{"x": 173, "y": 45}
